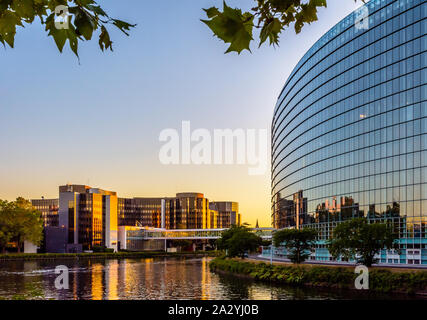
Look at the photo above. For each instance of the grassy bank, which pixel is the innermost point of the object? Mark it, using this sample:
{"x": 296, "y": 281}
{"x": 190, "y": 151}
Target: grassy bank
{"x": 381, "y": 280}
{"x": 101, "y": 255}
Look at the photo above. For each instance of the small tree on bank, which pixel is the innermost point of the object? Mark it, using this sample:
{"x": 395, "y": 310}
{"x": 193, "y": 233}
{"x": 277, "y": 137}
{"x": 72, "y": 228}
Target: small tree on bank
{"x": 298, "y": 242}
{"x": 6, "y": 223}
{"x": 266, "y": 243}
{"x": 360, "y": 240}
{"x": 181, "y": 243}
{"x": 238, "y": 240}
{"x": 19, "y": 222}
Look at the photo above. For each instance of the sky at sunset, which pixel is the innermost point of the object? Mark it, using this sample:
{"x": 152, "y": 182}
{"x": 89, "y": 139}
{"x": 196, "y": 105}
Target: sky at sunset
{"x": 97, "y": 121}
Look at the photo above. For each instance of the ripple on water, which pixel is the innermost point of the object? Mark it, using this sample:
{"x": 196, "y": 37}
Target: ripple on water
{"x": 158, "y": 278}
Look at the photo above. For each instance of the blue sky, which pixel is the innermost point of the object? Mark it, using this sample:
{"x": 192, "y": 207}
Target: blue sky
{"x": 97, "y": 122}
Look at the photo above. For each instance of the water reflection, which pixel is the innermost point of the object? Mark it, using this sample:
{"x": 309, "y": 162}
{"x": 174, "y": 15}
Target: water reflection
{"x": 160, "y": 278}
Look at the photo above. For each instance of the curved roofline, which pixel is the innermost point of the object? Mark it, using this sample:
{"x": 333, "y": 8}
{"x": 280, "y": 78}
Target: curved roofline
{"x": 319, "y": 44}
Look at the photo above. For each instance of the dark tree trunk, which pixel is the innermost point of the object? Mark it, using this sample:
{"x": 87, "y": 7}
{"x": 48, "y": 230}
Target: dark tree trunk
{"x": 369, "y": 261}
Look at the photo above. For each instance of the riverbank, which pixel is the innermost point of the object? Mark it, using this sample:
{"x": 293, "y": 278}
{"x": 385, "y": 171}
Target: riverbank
{"x": 102, "y": 255}
{"x": 380, "y": 280}
{"x": 393, "y": 268}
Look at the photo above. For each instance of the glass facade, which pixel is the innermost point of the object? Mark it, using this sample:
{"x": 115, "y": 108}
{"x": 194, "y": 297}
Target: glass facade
{"x": 227, "y": 213}
{"x": 140, "y": 211}
{"x": 89, "y": 215}
{"x": 349, "y": 131}
{"x": 187, "y": 210}
{"x": 49, "y": 210}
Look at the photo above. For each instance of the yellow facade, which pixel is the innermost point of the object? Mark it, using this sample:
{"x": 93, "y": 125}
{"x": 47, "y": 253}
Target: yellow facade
{"x": 97, "y": 224}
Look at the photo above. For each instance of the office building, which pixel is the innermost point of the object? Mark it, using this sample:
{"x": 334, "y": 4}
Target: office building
{"x": 140, "y": 212}
{"x": 213, "y": 217}
{"x": 228, "y": 213}
{"x": 89, "y": 216}
{"x": 187, "y": 210}
{"x": 84, "y": 218}
{"x": 49, "y": 210}
{"x": 349, "y": 131}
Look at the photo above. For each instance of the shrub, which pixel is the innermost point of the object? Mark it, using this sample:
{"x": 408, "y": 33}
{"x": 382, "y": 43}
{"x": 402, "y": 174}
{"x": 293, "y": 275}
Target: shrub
{"x": 379, "y": 279}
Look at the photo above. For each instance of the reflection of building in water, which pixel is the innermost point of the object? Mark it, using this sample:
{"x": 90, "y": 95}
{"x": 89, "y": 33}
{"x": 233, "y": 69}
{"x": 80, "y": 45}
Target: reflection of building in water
{"x": 206, "y": 280}
{"x": 350, "y": 130}
{"x": 111, "y": 279}
{"x": 97, "y": 284}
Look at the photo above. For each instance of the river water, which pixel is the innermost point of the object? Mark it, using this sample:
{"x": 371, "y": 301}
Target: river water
{"x": 157, "y": 278}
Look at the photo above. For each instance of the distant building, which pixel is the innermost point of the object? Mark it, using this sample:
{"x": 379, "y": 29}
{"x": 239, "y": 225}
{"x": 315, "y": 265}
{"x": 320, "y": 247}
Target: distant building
{"x": 84, "y": 217}
{"x": 213, "y": 218}
{"x": 228, "y": 213}
{"x": 131, "y": 238}
{"x": 49, "y": 209}
{"x": 140, "y": 212}
{"x": 187, "y": 210}
{"x": 89, "y": 215}
{"x": 54, "y": 240}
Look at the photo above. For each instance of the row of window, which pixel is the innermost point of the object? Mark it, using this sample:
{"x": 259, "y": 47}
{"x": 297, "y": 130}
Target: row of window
{"x": 388, "y": 63}
{"x": 367, "y": 89}
{"x": 372, "y": 138}
{"x": 330, "y": 51}
{"x": 349, "y": 132}
{"x": 395, "y": 171}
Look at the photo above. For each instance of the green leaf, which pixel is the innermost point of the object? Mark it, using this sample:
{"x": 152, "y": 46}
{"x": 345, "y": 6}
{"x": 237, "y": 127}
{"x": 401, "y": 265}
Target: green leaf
{"x": 308, "y": 13}
{"x": 85, "y": 3}
{"x": 52, "y": 4}
{"x": 24, "y": 9}
{"x": 123, "y": 26}
{"x": 212, "y": 12}
{"x": 84, "y": 24}
{"x": 4, "y": 4}
{"x": 271, "y": 31}
{"x": 240, "y": 42}
{"x": 59, "y": 35}
{"x": 319, "y": 3}
{"x": 231, "y": 26}
{"x": 282, "y": 5}
{"x": 8, "y": 22}
{"x": 104, "y": 40}
{"x": 72, "y": 38}
{"x": 97, "y": 10}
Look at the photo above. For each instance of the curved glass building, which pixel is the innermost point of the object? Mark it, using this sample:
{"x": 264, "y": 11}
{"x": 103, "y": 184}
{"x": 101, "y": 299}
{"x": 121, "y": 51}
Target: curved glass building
{"x": 349, "y": 131}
